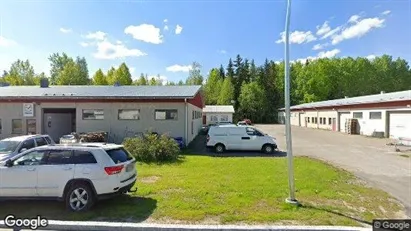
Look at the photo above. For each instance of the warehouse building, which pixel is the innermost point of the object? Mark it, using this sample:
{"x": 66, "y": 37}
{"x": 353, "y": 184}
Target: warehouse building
{"x": 122, "y": 111}
{"x": 217, "y": 113}
{"x": 384, "y": 114}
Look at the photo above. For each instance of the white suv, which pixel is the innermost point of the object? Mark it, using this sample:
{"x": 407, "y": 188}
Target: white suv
{"x": 78, "y": 174}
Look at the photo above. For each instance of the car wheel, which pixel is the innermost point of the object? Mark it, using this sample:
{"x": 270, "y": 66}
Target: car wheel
{"x": 268, "y": 148}
{"x": 79, "y": 197}
{"x": 219, "y": 148}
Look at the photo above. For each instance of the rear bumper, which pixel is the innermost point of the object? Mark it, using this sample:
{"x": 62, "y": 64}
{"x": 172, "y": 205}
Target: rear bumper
{"x": 120, "y": 191}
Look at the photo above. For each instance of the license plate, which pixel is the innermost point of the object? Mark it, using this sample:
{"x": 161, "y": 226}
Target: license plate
{"x": 130, "y": 167}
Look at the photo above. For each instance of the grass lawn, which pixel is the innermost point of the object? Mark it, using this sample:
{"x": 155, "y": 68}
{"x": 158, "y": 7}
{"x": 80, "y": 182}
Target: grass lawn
{"x": 233, "y": 190}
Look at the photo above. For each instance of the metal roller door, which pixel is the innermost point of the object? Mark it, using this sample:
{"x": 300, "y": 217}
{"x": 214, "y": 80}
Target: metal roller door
{"x": 400, "y": 125}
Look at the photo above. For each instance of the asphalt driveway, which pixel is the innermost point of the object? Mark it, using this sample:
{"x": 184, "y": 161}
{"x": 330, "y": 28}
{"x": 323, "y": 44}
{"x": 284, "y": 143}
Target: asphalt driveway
{"x": 368, "y": 158}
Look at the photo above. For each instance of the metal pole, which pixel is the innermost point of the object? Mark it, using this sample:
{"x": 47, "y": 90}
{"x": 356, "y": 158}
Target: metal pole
{"x": 291, "y": 198}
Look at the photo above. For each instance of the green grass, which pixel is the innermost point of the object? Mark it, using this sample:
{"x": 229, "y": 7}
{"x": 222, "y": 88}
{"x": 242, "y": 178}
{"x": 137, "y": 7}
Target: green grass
{"x": 233, "y": 190}
{"x": 406, "y": 155}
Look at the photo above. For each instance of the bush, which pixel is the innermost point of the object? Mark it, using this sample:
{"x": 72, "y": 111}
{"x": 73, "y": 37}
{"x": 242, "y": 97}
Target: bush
{"x": 153, "y": 148}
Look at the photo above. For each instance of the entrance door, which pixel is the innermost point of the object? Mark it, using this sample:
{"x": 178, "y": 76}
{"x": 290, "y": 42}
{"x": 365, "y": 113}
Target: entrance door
{"x": 204, "y": 119}
{"x": 334, "y": 124}
{"x": 343, "y": 118}
{"x": 57, "y": 124}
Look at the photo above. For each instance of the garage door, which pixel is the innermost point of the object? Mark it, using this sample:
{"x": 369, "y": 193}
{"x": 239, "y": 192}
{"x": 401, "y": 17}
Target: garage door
{"x": 343, "y": 118}
{"x": 400, "y": 125}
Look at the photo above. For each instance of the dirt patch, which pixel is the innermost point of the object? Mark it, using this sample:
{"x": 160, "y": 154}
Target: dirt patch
{"x": 149, "y": 179}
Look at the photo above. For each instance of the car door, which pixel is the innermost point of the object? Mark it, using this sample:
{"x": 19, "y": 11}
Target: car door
{"x": 27, "y": 145}
{"x": 55, "y": 172}
{"x": 20, "y": 179}
{"x": 252, "y": 140}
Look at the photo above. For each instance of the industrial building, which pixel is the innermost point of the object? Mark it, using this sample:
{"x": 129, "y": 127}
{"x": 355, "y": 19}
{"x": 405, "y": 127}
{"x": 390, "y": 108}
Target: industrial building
{"x": 217, "y": 113}
{"x": 385, "y": 114}
{"x": 122, "y": 111}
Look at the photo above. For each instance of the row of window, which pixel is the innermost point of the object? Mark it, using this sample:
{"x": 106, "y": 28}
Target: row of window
{"x": 56, "y": 157}
{"x": 219, "y": 118}
{"x": 130, "y": 114}
{"x": 196, "y": 115}
{"x": 373, "y": 115}
{"x": 17, "y": 126}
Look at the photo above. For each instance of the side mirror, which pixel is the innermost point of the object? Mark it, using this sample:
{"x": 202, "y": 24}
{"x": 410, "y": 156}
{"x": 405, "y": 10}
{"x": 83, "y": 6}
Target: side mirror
{"x": 9, "y": 163}
{"x": 22, "y": 150}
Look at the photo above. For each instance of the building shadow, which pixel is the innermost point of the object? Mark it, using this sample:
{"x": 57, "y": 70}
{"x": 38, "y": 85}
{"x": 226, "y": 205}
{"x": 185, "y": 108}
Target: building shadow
{"x": 124, "y": 208}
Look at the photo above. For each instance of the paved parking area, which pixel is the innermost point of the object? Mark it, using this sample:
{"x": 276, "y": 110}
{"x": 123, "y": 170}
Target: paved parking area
{"x": 368, "y": 158}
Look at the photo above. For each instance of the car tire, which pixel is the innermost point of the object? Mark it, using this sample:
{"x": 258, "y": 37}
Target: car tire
{"x": 219, "y": 148}
{"x": 79, "y": 197}
{"x": 268, "y": 149}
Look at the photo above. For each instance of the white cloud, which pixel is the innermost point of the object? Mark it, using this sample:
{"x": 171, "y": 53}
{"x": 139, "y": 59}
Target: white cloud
{"x": 145, "y": 32}
{"x": 179, "y": 68}
{"x": 5, "y": 42}
{"x": 331, "y": 32}
{"x": 325, "y": 28}
{"x": 165, "y": 27}
{"x": 132, "y": 70}
{"x": 358, "y": 29}
{"x": 65, "y": 30}
{"x": 371, "y": 57}
{"x": 328, "y": 54}
{"x": 222, "y": 51}
{"x": 165, "y": 20}
{"x": 354, "y": 19}
{"x": 387, "y": 12}
{"x": 298, "y": 37}
{"x": 178, "y": 29}
{"x": 320, "y": 46}
{"x": 84, "y": 44}
{"x": 322, "y": 54}
{"x": 107, "y": 50}
{"x": 98, "y": 35}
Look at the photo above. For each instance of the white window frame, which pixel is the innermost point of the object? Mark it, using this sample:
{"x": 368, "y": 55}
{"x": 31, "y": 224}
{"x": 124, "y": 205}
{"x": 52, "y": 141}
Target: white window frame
{"x": 374, "y": 113}
{"x": 94, "y": 112}
{"x": 357, "y": 113}
{"x": 13, "y": 131}
{"x": 122, "y": 112}
{"x": 169, "y": 111}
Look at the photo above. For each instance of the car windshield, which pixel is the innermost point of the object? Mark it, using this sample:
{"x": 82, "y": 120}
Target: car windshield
{"x": 8, "y": 146}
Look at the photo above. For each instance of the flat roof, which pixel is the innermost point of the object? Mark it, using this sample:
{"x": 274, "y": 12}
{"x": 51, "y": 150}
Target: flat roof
{"x": 219, "y": 109}
{"x": 87, "y": 91}
{"x": 376, "y": 98}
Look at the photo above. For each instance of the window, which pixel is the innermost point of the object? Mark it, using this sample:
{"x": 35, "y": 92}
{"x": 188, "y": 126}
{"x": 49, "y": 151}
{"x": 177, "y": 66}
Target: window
{"x": 357, "y": 115}
{"x": 32, "y": 158}
{"x": 129, "y": 114}
{"x": 224, "y": 118}
{"x": 193, "y": 114}
{"x": 119, "y": 155}
{"x": 16, "y": 126}
{"x": 83, "y": 157}
{"x": 41, "y": 141}
{"x": 91, "y": 114}
{"x": 168, "y": 114}
{"x": 375, "y": 115}
{"x": 192, "y": 127}
{"x": 321, "y": 120}
{"x": 308, "y": 119}
{"x": 214, "y": 118}
{"x": 48, "y": 139}
{"x": 0, "y": 126}
{"x": 57, "y": 157}
{"x": 31, "y": 126}
{"x": 27, "y": 144}
{"x": 315, "y": 120}
{"x": 329, "y": 121}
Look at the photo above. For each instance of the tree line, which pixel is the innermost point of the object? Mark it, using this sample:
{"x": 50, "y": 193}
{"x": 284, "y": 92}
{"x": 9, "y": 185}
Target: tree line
{"x": 255, "y": 91}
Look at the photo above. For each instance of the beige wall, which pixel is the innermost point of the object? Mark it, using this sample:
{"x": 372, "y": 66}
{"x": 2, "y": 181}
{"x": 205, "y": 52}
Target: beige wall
{"x": 194, "y": 125}
{"x": 299, "y": 118}
{"x": 209, "y": 114}
{"x": 111, "y": 124}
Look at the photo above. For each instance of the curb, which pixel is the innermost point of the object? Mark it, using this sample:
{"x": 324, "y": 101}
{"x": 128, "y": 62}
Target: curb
{"x": 120, "y": 226}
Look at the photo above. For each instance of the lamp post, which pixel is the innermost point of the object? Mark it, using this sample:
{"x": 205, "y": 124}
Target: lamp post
{"x": 291, "y": 199}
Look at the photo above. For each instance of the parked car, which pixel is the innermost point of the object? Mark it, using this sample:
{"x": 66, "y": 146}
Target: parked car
{"x": 246, "y": 122}
{"x": 247, "y": 138}
{"x": 79, "y": 174}
{"x": 12, "y": 146}
{"x": 242, "y": 123}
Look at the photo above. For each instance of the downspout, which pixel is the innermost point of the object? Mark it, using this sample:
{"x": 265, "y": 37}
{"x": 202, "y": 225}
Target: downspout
{"x": 186, "y": 121}
{"x": 318, "y": 126}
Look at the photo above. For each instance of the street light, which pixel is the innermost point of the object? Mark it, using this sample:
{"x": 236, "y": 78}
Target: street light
{"x": 291, "y": 199}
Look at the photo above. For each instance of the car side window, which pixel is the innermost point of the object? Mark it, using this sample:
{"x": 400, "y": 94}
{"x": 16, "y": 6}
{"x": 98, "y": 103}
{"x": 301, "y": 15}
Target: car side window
{"x": 58, "y": 157}
{"x": 48, "y": 139}
{"x": 250, "y": 131}
{"x": 31, "y": 158}
{"x": 83, "y": 157}
{"x": 27, "y": 144}
{"x": 41, "y": 141}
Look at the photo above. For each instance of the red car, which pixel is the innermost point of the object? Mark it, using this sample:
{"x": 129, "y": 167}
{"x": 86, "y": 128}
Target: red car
{"x": 247, "y": 121}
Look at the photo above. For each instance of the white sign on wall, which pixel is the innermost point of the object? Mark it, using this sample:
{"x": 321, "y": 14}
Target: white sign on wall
{"x": 28, "y": 110}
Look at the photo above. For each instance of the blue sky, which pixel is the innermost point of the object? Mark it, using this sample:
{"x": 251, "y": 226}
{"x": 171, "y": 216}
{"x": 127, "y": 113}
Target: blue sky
{"x": 144, "y": 33}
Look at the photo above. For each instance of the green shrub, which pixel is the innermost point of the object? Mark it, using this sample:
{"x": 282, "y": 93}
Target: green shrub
{"x": 153, "y": 148}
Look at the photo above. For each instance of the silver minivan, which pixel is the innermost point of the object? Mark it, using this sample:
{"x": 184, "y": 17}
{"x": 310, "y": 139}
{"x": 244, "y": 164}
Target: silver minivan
{"x": 12, "y": 146}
